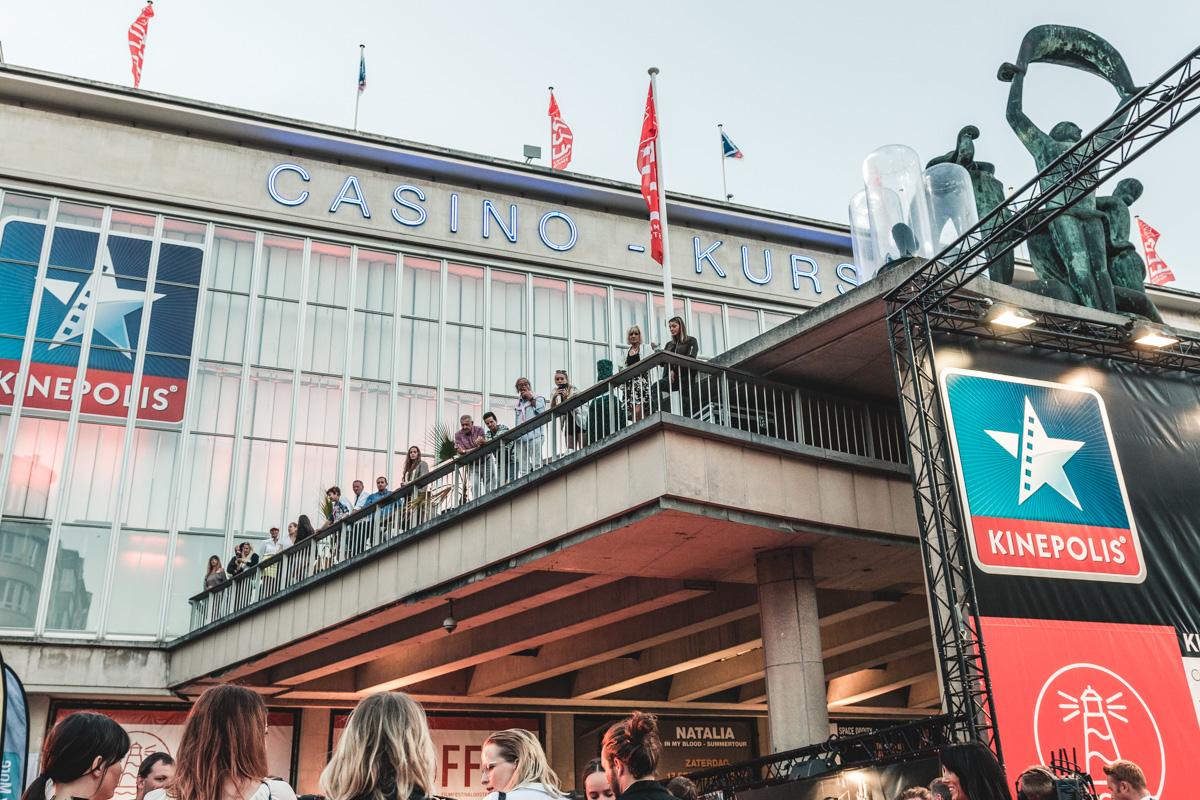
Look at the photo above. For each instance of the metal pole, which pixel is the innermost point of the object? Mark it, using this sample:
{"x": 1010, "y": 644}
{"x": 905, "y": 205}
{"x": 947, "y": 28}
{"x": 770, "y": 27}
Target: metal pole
{"x": 724, "y": 188}
{"x": 668, "y": 296}
{"x": 551, "y": 131}
{"x": 358, "y": 87}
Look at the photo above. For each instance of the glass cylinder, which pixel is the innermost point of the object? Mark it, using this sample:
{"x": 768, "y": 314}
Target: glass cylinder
{"x": 951, "y": 203}
{"x": 862, "y": 242}
{"x": 896, "y": 197}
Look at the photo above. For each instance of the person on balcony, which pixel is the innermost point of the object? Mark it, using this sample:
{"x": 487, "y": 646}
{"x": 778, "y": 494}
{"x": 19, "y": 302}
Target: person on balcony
{"x": 216, "y": 573}
{"x": 381, "y": 491}
{"x": 529, "y": 446}
{"x": 467, "y": 439}
{"x": 500, "y": 463}
{"x": 243, "y": 559}
{"x": 637, "y": 390}
{"x": 359, "y": 498}
{"x": 681, "y": 345}
{"x": 414, "y": 466}
{"x": 335, "y": 506}
{"x": 574, "y": 425}
{"x": 415, "y": 504}
{"x": 269, "y": 549}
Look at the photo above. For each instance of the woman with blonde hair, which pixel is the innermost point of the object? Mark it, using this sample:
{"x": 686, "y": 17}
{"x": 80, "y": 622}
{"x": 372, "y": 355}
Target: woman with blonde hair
{"x": 386, "y": 752}
{"x": 222, "y": 754}
{"x": 515, "y": 764}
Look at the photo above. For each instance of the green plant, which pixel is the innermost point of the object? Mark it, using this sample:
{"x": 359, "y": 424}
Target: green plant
{"x": 326, "y": 506}
{"x": 441, "y": 443}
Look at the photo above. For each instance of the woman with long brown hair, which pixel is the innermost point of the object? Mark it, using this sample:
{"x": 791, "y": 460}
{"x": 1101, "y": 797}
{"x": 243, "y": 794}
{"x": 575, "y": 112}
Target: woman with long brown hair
{"x": 385, "y": 753}
{"x": 222, "y": 754}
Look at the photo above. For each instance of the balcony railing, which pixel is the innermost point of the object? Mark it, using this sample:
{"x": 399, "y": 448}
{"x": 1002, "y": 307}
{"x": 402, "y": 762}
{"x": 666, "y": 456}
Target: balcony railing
{"x": 662, "y": 384}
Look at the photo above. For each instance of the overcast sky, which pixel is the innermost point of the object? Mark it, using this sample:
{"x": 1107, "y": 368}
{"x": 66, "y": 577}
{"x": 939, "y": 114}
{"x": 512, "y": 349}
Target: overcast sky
{"x": 805, "y": 89}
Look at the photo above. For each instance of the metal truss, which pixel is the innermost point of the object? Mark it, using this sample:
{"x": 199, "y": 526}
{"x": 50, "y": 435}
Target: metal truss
{"x": 932, "y": 300}
{"x": 906, "y": 742}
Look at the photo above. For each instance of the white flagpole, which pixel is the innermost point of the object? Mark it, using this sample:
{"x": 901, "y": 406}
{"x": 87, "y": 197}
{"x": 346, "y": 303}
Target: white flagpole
{"x": 668, "y": 295}
{"x": 357, "y": 88}
{"x": 724, "y": 187}
{"x": 551, "y": 159}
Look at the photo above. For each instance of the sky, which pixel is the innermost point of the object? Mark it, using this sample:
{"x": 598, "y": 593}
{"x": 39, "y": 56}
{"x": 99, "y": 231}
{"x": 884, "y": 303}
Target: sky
{"x": 805, "y": 89}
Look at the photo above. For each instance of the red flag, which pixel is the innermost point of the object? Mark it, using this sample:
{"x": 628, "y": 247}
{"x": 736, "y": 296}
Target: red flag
{"x": 561, "y": 138}
{"x": 1158, "y": 272}
{"x": 647, "y": 163}
{"x": 137, "y": 41}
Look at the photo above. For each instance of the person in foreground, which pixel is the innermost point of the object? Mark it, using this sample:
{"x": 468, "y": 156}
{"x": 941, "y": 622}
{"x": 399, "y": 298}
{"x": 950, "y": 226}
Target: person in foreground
{"x": 515, "y": 764}
{"x": 972, "y": 773}
{"x": 222, "y": 753}
{"x": 386, "y": 753}
{"x": 595, "y": 782}
{"x": 1126, "y": 781}
{"x": 82, "y": 757}
{"x": 156, "y": 771}
{"x": 630, "y": 752}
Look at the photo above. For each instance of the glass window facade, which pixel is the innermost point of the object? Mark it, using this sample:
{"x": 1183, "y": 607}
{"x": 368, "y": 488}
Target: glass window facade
{"x": 179, "y": 386}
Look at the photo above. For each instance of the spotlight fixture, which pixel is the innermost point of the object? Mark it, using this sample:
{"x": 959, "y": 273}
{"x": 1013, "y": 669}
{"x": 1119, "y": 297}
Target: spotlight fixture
{"x": 1156, "y": 336}
{"x": 1009, "y": 317}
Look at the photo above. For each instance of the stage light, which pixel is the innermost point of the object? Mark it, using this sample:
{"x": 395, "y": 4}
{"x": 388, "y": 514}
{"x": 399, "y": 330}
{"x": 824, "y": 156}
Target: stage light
{"x": 1153, "y": 336}
{"x": 1009, "y": 317}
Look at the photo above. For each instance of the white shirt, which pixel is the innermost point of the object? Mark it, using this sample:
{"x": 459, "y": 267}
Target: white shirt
{"x": 270, "y": 548}
{"x": 530, "y": 791}
{"x": 360, "y": 501}
{"x": 269, "y": 790}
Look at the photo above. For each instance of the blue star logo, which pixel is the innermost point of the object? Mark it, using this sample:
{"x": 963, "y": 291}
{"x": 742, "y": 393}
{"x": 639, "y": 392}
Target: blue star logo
{"x": 1042, "y": 457}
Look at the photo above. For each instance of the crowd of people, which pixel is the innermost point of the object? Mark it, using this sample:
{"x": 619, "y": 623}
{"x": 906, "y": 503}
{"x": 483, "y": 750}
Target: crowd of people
{"x": 521, "y": 457}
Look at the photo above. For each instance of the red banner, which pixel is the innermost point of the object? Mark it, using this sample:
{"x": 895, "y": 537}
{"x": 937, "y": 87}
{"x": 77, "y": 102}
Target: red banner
{"x": 106, "y": 393}
{"x": 1157, "y": 270}
{"x": 137, "y": 42}
{"x": 1055, "y": 548}
{"x": 647, "y": 163}
{"x": 561, "y": 138}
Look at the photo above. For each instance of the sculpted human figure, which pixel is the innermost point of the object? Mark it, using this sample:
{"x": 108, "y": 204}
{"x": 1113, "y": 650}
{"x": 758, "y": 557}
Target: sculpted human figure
{"x": 1125, "y": 266}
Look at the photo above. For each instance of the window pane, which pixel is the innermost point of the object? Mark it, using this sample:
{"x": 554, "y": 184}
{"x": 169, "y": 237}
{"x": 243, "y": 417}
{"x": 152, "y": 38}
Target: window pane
{"x": 17, "y": 205}
{"x": 548, "y": 355}
{"x": 743, "y": 325}
{"x": 36, "y": 469}
{"x": 505, "y": 409}
{"x": 281, "y": 269}
{"x": 225, "y": 327}
{"x": 270, "y": 403}
{"x": 192, "y": 551}
{"x": 319, "y": 409}
{"x": 464, "y": 357}
{"x": 507, "y": 362}
{"x": 329, "y": 274}
{"x": 231, "y": 260}
{"x": 375, "y": 283}
{"x": 459, "y": 403}
{"x": 20, "y": 280}
{"x": 365, "y": 466}
{"x": 771, "y": 319}
{"x": 367, "y": 419}
{"x": 324, "y": 340}
{"x": 586, "y": 356}
{"x": 422, "y": 292}
{"x": 78, "y": 578}
{"x": 205, "y": 487}
{"x": 550, "y": 306}
{"x": 261, "y": 472}
{"x": 277, "y": 334}
{"x": 464, "y": 294}
{"x": 216, "y": 398}
{"x": 23, "y": 553}
{"x": 631, "y": 310}
{"x": 591, "y": 312}
{"x": 92, "y": 485}
{"x": 79, "y": 215}
{"x": 371, "y": 355}
{"x": 183, "y": 230}
{"x": 152, "y": 463}
{"x": 137, "y": 586}
{"x": 416, "y": 411}
{"x": 417, "y": 354}
{"x": 129, "y": 222}
{"x": 508, "y": 300}
{"x": 708, "y": 328}
{"x": 307, "y": 492}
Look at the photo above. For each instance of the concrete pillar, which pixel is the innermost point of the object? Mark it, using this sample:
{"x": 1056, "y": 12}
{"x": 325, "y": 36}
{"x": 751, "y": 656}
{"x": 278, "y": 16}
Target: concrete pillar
{"x": 39, "y": 726}
{"x": 560, "y": 747}
{"x": 313, "y": 753}
{"x": 787, "y": 605}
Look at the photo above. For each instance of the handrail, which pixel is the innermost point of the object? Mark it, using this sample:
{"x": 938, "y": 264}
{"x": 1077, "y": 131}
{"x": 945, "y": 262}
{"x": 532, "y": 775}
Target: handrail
{"x": 661, "y": 383}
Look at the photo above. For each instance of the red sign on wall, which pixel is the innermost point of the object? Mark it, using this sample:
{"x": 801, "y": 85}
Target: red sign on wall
{"x": 1103, "y": 690}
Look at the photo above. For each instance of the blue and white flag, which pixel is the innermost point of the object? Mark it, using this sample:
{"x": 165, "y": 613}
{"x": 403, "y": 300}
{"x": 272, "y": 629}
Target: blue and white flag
{"x": 362, "y": 68}
{"x": 728, "y": 148}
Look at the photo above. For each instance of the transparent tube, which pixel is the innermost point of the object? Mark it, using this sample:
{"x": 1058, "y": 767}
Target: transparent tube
{"x": 951, "y": 203}
{"x": 866, "y": 257}
{"x": 896, "y": 197}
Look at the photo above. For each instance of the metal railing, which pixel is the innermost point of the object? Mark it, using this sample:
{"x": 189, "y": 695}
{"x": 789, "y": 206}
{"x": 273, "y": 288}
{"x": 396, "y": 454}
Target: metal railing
{"x": 662, "y": 384}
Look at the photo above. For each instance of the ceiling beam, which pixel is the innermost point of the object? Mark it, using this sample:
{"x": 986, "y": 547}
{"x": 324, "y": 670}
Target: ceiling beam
{"x": 870, "y": 683}
{"x": 925, "y": 694}
{"x": 753, "y": 693}
{"x": 910, "y": 614}
{"x": 729, "y": 603}
{"x": 836, "y": 606}
{"x": 878, "y": 653}
{"x": 717, "y": 676}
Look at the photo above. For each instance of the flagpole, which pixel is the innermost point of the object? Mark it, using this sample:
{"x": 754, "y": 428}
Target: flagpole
{"x": 357, "y": 87}
{"x": 551, "y": 132}
{"x": 724, "y": 188}
{"x": 668, "y": 295}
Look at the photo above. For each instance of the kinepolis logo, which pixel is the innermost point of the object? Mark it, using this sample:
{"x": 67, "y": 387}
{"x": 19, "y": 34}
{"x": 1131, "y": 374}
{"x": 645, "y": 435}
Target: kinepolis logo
{"x": 1042, "y": 488}
{"x": 117, "y": 298}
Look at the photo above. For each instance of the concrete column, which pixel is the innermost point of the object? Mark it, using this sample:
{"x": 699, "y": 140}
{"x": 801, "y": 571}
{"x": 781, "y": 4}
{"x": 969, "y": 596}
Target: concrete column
{"x": 560, "y": 747}
{"x": 39, "y": 726}
{"x": 313, "y": 753}
{"x": 787, "y": 605}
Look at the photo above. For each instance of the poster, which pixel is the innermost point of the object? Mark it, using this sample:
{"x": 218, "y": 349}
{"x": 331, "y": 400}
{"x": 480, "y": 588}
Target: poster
{"x": 690, "y": 744}
{"x": 159, "y": 730}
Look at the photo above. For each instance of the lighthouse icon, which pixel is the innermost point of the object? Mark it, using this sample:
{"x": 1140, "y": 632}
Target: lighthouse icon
{"x": 1096, "y": 713}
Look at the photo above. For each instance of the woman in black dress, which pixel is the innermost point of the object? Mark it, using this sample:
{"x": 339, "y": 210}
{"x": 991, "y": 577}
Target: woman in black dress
{"x": 682, "y": 345}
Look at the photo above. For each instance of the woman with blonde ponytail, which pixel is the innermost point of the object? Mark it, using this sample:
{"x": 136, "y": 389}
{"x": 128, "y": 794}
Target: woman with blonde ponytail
{"x": 385, "y": 753}
{"x": 515, "y": 768}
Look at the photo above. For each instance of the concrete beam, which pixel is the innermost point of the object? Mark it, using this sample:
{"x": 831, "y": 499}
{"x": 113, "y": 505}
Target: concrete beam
{"x": 566, "y": 618}
{"x": 672, "y": 658}
{"x": 727, "y": 604}
{"x": 925, "y": 694}
{"x": 878, "y": 653}
{"x": 910, "y": 614}
{"x": 875, "y": 682}
{"x": 717, "y": 676}
{"x": 837, "y": 606}
{"x": 754, "y": 693}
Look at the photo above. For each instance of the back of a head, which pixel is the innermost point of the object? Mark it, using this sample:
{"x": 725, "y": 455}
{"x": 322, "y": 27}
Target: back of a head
{"x": 635, "y": 742}
{"x": 72, "y": 748}
{"x": 386, "y": 751}
{"x": 938, "y": 790}
{"x": 1122, "y": 770}
{"x": 1037, "y": 783}
{"x": 915, "y": 793}
{"x": 682, "y": 788}
{"x": 520, "y": 747}
{"x": 224, "y": 738}
{"x": 977, "y": 770}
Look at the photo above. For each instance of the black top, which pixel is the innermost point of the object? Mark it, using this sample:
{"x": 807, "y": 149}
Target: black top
{"x": 632, "y": 358}
{"x": 689, "y": 347}
{"x": 647, "y": 789}
{"x": 235, "y": 567}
